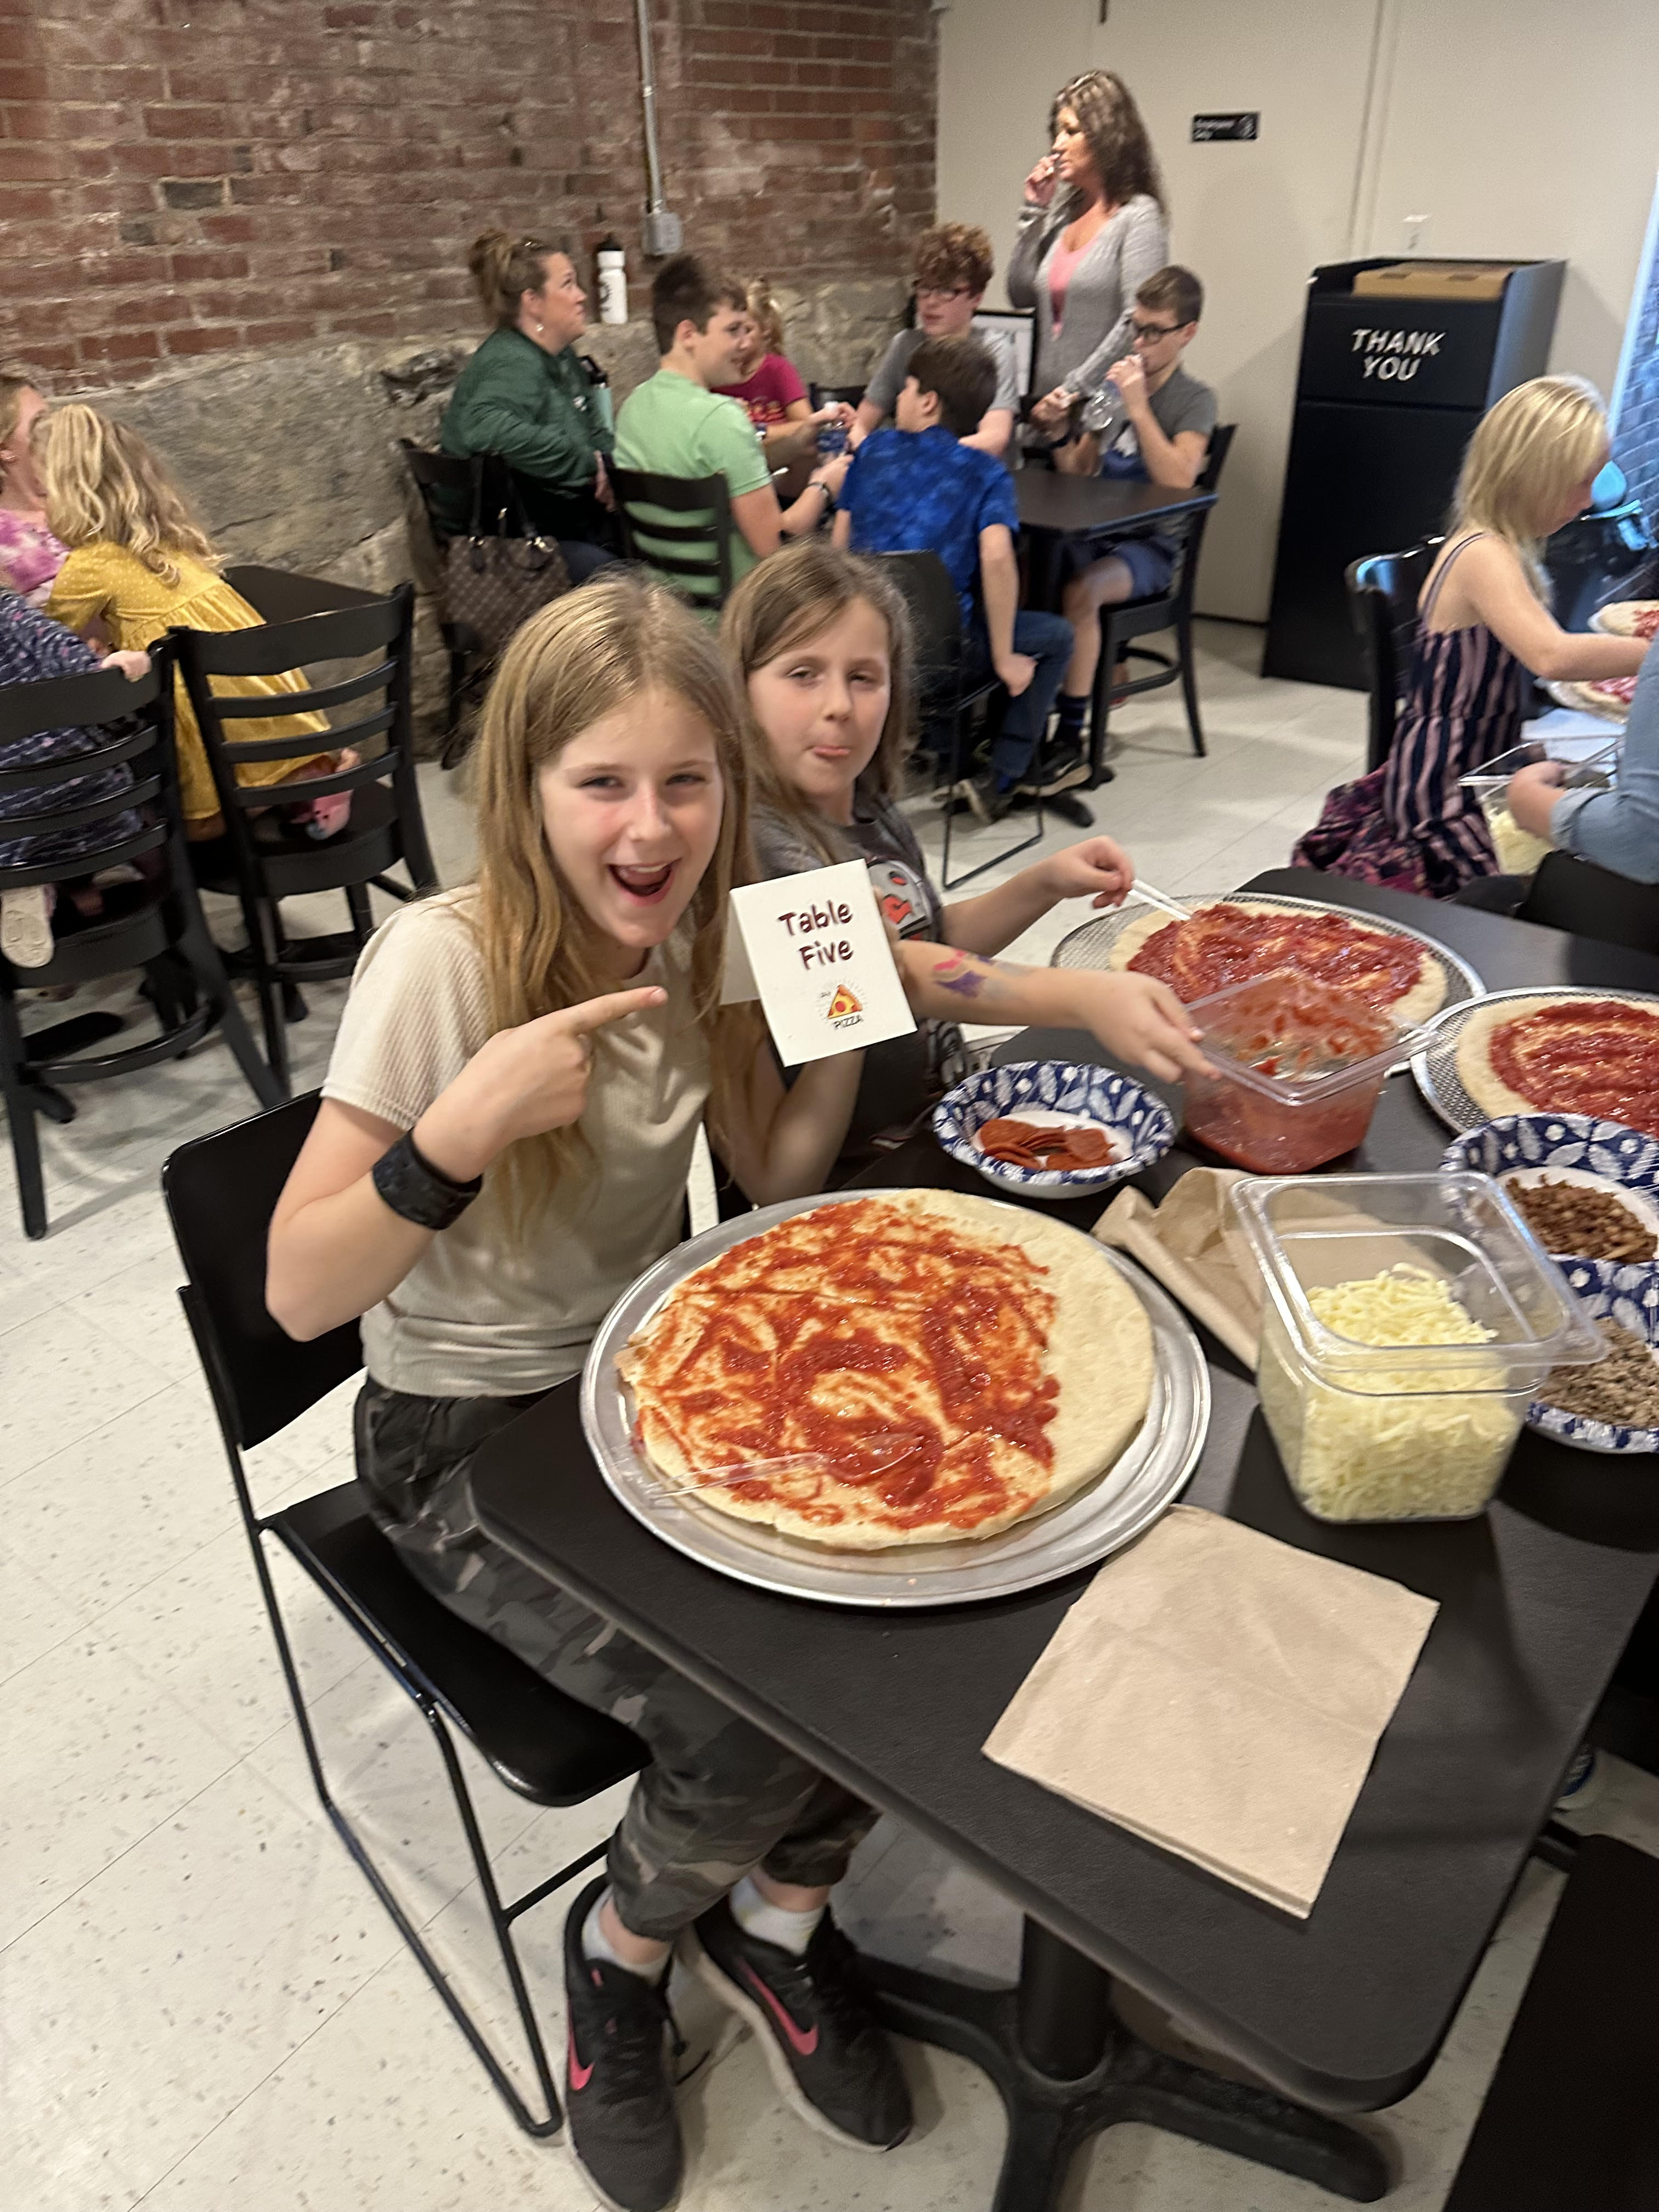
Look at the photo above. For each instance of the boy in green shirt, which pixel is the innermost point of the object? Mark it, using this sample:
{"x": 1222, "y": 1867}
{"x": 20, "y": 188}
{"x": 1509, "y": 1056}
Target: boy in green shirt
{"x": 675, "y": 425}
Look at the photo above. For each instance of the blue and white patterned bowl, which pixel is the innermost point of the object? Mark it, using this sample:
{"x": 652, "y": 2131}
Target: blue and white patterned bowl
{"x": 1573, "y": 1148}
{"x": 1629, "y": 1296}
{"x": 1056, "y": 1088}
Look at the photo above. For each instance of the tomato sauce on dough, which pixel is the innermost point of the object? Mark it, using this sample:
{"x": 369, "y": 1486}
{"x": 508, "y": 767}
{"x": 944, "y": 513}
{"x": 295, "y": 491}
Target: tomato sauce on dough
{"x": 1584, "y": 1056}
{"x": 1225, "y": 944}
{"x": 909, "y": 1357}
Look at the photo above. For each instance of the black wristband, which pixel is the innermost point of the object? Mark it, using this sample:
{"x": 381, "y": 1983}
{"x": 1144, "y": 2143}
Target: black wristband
{"x": 419, "y": 1192}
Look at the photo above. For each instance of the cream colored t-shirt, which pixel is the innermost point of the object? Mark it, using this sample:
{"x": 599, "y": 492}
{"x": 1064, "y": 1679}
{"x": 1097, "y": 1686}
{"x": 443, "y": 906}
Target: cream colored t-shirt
{"x": 478, "y": 1316}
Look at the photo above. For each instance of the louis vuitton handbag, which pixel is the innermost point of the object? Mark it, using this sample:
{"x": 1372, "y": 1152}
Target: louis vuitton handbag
{"x": 493, "y": 583}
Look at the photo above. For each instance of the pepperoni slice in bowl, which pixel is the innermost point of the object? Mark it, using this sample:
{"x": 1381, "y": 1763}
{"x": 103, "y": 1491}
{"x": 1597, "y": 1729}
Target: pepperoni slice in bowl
{"x": 1053, "y": 1128}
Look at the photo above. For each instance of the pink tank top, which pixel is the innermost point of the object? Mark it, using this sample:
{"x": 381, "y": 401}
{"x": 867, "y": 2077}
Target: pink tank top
{"x": 1061, "y": 267}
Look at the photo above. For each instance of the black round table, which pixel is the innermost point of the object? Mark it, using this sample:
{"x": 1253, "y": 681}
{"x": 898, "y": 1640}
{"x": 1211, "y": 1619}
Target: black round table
{"x": 1344, "y": 2010}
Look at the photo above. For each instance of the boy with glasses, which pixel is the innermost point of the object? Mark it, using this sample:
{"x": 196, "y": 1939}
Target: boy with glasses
{"x": 1151, "y": 424}
{"x": 952, "y": 264}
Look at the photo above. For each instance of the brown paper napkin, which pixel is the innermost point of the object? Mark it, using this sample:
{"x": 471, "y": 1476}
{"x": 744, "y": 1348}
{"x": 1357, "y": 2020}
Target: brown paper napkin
{"x": 1222, "y": 1694}
{"x": 1191, "y": 1245}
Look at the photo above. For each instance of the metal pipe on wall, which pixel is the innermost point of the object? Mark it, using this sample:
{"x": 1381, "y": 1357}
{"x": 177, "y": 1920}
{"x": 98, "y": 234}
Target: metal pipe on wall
{"x": 664, "y": 232}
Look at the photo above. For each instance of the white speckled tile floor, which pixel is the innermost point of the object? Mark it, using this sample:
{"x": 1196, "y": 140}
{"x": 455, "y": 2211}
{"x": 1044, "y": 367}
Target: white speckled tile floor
{"x": 203, "y": 2005}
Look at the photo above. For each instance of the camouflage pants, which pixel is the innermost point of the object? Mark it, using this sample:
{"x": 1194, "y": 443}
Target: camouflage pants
{"x": 719, "y": 1796}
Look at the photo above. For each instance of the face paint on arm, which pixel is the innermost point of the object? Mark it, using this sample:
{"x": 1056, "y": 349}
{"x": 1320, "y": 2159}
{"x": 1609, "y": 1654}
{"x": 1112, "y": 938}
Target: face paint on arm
{"x": 968, "y": 975}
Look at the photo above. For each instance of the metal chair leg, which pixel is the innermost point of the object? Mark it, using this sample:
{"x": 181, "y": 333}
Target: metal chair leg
{"x": 501, "y": 1916}
{"x": 20, "y": 1113}
{"x": 362, "y": 914}
{"x": 1189, "y": 682}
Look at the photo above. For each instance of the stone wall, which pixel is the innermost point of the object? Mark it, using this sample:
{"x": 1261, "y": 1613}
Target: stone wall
{"x": 290, "y": 456}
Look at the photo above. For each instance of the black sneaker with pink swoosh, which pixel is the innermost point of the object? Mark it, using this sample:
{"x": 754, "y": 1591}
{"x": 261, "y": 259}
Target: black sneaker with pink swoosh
{"x": 829, "y": 2058}
{"x": 619, "y": 2086}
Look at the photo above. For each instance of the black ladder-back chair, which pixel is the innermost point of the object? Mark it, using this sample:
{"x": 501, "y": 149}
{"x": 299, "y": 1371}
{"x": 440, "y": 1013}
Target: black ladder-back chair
{"x": 263, "y": 861}
{"x": 450, "y": 491}
{"x": 677, "y": 550}
{"x": 284, "y": 595}
{"x": 945, "y": 699}
{"x": 156, "y": 925}
{"x": 1170, "y": 609}
{"x": 1574, "y": 894}
{"x": 1382, "y": 595}
{"x": 220, "y": 1192}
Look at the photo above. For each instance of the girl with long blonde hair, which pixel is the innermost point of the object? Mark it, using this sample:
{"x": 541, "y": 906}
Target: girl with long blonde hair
{"x": 1483, "y": 627}
{"x": 821, "y": 639}
{"x": 140, "y": 564}
{"x": 501, "y": 1148}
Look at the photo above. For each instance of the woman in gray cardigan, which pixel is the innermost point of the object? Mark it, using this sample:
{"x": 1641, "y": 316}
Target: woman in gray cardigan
{"x": 1092, "y": 229}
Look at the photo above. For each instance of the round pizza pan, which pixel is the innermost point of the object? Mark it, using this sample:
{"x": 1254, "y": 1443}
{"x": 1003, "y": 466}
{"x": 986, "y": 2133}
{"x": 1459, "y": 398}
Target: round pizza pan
{"x": 1435, "y": 1066}
{"x": 1150, "y": 1473}
{"x": 1091, "y": 945}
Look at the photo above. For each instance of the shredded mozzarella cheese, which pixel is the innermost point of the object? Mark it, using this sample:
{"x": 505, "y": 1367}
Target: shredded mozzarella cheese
{"x": 1393, "y": 1444}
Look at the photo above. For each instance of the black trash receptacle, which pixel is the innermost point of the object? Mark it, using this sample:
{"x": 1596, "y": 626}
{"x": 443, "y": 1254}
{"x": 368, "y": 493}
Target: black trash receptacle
{"x": 1388, "y": 394}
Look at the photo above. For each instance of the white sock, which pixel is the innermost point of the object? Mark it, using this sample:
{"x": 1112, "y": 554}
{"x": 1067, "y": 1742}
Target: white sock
{"x": 596, "y": 1944}
{"x": 772, "y": 1923}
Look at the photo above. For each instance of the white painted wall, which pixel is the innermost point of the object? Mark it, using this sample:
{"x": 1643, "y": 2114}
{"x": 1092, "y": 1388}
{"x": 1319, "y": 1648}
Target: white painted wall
{"x": 1515, "y": 126}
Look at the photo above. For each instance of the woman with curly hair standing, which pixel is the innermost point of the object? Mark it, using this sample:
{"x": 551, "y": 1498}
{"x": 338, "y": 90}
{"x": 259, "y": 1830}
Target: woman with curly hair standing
{"x": 1093, "y": 227}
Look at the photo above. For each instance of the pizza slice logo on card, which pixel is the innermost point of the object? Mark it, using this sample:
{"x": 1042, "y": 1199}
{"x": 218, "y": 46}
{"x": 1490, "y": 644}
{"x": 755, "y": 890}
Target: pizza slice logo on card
{"x": 844, "y": 1004}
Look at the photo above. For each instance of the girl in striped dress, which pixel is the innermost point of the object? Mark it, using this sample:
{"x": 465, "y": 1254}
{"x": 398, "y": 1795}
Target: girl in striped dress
{"x": 1482, "y": 625}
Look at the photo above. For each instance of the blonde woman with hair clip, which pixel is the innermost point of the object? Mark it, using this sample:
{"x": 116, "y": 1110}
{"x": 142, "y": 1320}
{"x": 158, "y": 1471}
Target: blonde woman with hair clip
{"x": 1482, "y": 625}
{"x": 502, "y": 1145}
{"x": 139, "y": 564}
{"x": 30, "y": 556}
{"x": 526, "y": 396}
{"x": 1093, "y": 227}
{"x": 821, "y": 639}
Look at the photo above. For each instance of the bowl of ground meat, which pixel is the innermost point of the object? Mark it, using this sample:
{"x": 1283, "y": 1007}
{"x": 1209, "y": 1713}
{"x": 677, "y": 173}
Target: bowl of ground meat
{"x": 1588, "y": 1189}
{"x": 1613, "y": 1406}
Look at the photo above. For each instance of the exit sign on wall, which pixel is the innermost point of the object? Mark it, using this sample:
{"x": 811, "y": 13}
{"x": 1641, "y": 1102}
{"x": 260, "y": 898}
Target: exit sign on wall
{"x": 1247, "y": 124}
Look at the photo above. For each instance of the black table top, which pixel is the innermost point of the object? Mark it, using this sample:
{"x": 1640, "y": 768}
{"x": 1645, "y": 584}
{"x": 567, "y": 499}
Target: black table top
{"x": 1079, "y": 507}
{"x": 1536, "y": 1599}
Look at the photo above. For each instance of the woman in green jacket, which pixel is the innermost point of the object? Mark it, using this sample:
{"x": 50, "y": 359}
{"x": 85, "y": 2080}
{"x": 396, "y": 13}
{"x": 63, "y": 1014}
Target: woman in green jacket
{"x": 525, "y": 395}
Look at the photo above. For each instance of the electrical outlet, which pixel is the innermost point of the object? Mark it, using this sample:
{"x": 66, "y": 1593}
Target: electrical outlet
{"x": 665, "y": 233}
{"x": 1417, "y": 231}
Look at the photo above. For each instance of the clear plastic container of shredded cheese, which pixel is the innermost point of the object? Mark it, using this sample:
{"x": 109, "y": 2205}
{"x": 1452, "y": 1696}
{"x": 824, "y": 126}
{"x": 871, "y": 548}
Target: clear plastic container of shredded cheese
{"x": 1408, "y": 1321}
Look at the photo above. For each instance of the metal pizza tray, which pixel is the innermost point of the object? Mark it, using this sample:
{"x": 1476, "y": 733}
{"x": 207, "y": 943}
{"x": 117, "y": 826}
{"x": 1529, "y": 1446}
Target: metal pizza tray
{"x": 1436, "y": 1065}
{"x": 1149, "y": 1472}
{"x": 1091, "y": 945}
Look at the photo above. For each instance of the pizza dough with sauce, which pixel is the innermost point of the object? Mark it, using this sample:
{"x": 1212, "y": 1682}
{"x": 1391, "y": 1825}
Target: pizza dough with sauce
{"x": 955, "y": 1362}
{"x": 1424, "y": 997}
{"x": 1493, "y": 1095}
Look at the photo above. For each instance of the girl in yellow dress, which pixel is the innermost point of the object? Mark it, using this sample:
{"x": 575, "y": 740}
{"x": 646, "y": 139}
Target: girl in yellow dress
{"x": 138, "y": 566}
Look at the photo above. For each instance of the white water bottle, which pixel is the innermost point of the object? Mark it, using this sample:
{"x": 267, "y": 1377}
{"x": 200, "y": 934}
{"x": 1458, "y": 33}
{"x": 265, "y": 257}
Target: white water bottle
{"x": 613, "y": 282}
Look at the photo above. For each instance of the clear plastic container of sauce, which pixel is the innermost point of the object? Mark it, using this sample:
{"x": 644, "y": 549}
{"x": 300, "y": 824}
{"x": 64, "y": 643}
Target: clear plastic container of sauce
{"x": 1299, "y": 1068}
{"x": 1408, "y": 1321}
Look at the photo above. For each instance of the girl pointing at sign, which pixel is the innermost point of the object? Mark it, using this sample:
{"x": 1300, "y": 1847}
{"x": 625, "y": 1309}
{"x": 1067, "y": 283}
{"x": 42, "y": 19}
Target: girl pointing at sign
{"x": 821, "y": 639}
{"x": 502, "y": 1148}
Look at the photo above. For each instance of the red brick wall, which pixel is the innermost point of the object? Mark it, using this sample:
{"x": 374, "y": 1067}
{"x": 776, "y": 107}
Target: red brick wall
{"x": 180, "y": 177}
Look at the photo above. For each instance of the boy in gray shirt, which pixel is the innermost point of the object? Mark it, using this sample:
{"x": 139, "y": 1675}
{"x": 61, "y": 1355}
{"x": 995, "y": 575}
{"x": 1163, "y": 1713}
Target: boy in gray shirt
{"x": 952, "y": 264}
{"x": 1151, "y": 424}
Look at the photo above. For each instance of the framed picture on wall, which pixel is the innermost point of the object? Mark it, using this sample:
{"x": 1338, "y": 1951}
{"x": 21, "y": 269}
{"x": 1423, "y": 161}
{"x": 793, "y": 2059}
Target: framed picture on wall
{"x": 1019, "y": 324}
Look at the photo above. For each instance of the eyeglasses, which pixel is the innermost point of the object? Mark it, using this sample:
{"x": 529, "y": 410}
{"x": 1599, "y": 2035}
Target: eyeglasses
{"x": 943, "y": 291}
{"x": 1151, "y": 332}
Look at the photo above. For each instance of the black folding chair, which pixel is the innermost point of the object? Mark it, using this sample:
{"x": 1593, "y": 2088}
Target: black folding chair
{"x": 263, "y": 860}
{"x": 1169, "y": 610}
{"x": 155, "y": 925}
{"x": 678, "y": 550}
{"x": 1574, "y": 894}
{"x": 946, "y": 697}
{"x": 1383, "y": 593}
{"x": 220, "y": 1192}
